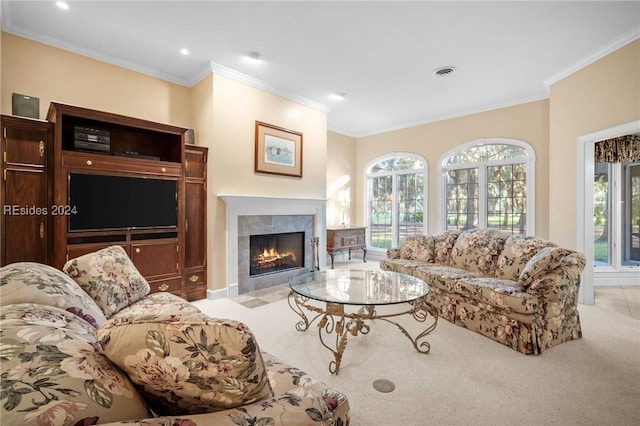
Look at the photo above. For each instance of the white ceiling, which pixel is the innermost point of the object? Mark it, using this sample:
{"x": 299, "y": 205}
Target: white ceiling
{"x": 381, "y": 54}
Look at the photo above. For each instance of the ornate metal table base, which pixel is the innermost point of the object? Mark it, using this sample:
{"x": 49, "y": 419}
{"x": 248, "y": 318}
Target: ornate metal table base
{"x": 334, "y": 320}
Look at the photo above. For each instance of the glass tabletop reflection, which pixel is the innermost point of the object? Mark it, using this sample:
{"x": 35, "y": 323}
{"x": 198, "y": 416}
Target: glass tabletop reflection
{"x": 356, "y": 287}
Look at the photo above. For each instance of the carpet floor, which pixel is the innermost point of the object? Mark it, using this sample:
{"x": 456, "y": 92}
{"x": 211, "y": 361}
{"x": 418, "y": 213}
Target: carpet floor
{"x": 466, "y": 379}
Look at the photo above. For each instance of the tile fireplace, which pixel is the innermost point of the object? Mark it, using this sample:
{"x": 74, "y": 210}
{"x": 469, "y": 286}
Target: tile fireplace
{"x": 290, "y": 218}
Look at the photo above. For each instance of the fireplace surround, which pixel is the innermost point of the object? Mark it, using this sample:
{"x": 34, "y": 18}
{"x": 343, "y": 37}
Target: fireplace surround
{"x": 251, "y": 215}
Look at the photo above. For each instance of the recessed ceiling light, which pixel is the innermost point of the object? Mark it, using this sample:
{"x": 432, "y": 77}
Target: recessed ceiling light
{"x": 184, "y": 51}
{"x": 253, "y": 57}
{"x": 62, "y": 5}
{"x": 338, "y": 96}
{"x": 444, "y": 71}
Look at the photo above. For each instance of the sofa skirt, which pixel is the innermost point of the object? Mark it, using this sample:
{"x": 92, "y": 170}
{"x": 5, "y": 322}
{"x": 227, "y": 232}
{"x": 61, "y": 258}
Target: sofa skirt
{"x": 528, "y": 334}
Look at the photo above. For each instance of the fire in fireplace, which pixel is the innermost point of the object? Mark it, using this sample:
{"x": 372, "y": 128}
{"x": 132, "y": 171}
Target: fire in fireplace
{"x": 276, "y": 252}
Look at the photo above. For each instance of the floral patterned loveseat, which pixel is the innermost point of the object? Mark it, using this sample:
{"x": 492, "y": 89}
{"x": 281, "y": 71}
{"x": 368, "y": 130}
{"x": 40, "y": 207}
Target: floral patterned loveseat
{"x": 92, "y": 346}
{"x": 520, "y": 291}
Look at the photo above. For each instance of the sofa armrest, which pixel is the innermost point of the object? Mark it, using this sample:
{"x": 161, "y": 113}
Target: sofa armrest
{"x": 298, "y": 399}
{"x": 326, "y": 408}
{"x": 561, "y": 283}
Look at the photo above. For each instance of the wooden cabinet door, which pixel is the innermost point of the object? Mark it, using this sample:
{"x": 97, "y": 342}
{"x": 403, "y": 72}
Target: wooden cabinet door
{"x": 25, "y": 143}
{"x": 25, "y": 216}
{"x": 195, "y": 241}
{"x": 196, "y": 162}
{"x": 195, "y": 216}
{"x": 195, "y": 229}
{"x": 25, "y": 193}
{"x": 155, "y": 258}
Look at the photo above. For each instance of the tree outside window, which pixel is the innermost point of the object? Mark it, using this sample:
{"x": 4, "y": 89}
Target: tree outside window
{"x": 489, "y": 184}
{"x": 396, "y": 197}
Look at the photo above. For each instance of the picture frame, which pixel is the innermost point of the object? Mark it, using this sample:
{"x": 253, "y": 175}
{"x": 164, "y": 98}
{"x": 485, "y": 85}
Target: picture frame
{"x": 278, "y": 151}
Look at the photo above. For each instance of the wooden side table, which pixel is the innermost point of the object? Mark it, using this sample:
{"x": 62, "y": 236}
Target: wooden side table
{"x": 341, "y": 239}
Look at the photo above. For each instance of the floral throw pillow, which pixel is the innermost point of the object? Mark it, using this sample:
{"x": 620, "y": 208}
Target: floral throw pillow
{"x": 443, "y": 245}
{"x": 541, "y": 263}
{"x": 518, "y": 250}
{"x": 30, "y": 282}
{"x": 186, "y": 365}
{"x": 109, "y": 277}
{"x": 418, "y": 247}
{"x": 477, "y": 250}
{"x": 54, "y": 372}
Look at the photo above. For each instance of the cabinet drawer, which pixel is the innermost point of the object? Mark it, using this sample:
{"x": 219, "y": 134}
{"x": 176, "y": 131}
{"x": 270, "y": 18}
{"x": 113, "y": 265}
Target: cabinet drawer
{"x": 173, "y": 285}
{"x": 97, "y": 162}
{"x": 157, "y": 258}
{"x": 345, "y": 238}
{"x": 192, "y": 279}
{"x": 195, "y": 285}
{"x": 352, "y": 240}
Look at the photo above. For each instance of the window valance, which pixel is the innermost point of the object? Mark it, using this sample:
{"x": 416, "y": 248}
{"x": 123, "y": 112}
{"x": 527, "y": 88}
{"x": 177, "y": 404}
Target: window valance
{"x": 623, "y": 149}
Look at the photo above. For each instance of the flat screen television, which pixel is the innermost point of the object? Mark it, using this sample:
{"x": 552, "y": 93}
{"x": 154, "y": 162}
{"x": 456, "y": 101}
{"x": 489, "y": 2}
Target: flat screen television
{"x": 100, "y": 202}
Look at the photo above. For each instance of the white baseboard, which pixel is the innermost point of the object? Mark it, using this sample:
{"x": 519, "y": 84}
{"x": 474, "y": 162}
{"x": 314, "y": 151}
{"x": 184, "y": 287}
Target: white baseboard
{"x": 608, "y": 279}
{"x": 223, "y": 293}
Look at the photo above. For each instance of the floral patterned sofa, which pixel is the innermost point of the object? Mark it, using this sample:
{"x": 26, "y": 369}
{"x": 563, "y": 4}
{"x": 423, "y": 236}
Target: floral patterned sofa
{"x": 92, "y": 346}
{"x": 520, "y": 291}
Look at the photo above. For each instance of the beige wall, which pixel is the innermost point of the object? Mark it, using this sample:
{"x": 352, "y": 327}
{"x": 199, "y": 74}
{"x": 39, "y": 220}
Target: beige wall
{"x": 202, "y": 111}
{"x": 235, "y": 109}
{"x": 526, "y": 122}
{"x": 341, "y": 179}
{"x": 602, "y": 95}
{"x": 49, "y": 73}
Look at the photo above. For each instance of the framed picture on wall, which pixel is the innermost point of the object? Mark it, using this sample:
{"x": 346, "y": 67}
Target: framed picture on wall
{"x": 278, "y": 150}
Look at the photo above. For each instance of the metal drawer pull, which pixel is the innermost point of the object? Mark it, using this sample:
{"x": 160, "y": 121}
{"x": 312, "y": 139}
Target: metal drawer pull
{"x": 163, "y": 287}
{"x": 163, "y": 169}
{"x": 193, "y": 278}
{"x": 137, "y": 249}
{"x": 41, "y": 149}
{"x": 89, "y": 162}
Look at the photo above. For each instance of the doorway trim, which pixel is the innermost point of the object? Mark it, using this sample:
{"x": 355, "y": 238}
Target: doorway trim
{"x": 586, "y": 169}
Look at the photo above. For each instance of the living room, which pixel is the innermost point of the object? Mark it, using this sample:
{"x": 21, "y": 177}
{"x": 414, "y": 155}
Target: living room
{"x": 223, "y": 111}
{"x": 601, "y": 93}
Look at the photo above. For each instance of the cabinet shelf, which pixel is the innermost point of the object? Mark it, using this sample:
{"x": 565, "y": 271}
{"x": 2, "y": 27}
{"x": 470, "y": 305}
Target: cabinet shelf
{"x": 125, "y": 134}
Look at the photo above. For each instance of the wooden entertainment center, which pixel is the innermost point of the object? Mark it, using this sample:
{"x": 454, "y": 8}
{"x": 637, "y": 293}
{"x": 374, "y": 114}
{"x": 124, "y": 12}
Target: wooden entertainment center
{"x": 172, "y": 257}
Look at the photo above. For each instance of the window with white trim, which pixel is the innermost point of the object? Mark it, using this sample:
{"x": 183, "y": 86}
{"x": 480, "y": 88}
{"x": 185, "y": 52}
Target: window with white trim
{"x": 489, "y": 184}
{"x": 396, "y": 197}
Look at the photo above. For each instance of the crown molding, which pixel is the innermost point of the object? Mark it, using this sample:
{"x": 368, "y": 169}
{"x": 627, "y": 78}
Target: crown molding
{"x": 259, "y": 84}
{"x": 455, "y": 114}
{"x": 91, "y": 53}
{"x": 616, "y": 44}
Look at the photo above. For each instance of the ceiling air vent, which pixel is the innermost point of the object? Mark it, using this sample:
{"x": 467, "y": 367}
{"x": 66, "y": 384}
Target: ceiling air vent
{"x": 444, "y": 71}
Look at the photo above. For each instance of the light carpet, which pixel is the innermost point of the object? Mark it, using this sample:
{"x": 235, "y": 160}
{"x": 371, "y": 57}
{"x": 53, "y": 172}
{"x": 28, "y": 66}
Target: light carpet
{"x": 466, "y": 379}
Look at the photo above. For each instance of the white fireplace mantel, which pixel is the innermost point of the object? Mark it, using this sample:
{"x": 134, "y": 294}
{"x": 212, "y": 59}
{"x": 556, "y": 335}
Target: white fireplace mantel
{"x": 247, "y": 205}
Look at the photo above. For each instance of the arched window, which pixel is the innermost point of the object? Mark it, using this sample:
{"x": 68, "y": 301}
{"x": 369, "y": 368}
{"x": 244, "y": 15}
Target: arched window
{"x": 396, "y": 196}
{"x": 489, "y": 183}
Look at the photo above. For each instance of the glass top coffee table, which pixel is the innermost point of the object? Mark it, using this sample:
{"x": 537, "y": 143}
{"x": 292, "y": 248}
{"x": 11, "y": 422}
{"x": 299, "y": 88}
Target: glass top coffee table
{"x": 364, "y": 291}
